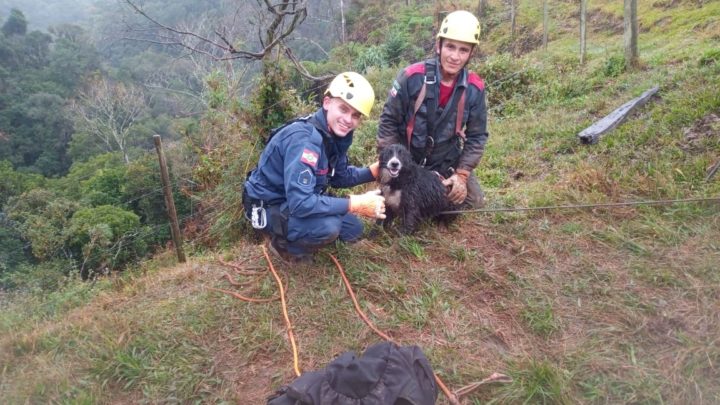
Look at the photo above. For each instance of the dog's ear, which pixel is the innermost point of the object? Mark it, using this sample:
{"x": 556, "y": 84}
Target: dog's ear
{"x": 383, "y": 155}
{"x": 405, "y": 155}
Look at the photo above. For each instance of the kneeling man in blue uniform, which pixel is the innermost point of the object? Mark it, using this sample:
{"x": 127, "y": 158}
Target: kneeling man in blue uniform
{"x": 285, "y": 195}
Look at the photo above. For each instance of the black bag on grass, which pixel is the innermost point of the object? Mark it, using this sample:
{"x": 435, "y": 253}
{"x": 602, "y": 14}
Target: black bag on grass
{"x": 386, "y": 374}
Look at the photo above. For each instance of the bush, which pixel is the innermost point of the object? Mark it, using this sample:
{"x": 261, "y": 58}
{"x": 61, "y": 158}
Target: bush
{"x": 12, "y": 247}
{"x": 14, "y": 183}
{"x": 105, "y": 238}
{"x": 272, "y": 104}
{"x": 505, "y": 80}
{"x": 98, "y": 170}
{"x": 373, "y": 56}
{"x": 44, "y": 276}
{"x": 42, "y": 218}
{"x": 711, "y": 57}
{"x": 615, "y": 66}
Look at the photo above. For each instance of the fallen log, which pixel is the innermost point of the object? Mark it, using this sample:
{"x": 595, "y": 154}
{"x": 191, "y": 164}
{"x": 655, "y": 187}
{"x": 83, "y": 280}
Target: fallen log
{"x": 593, "y": 133}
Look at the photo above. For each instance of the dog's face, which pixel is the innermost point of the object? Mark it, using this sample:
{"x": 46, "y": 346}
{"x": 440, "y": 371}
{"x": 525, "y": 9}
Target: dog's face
{"x": 393, "y": 160}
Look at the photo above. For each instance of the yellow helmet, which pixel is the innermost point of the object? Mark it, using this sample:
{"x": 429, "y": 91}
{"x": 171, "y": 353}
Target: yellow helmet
{"x": 354, "y": 90}
{"x": 461, "y": 26}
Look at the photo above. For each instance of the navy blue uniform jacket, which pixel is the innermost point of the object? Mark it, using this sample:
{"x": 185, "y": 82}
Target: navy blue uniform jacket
{"x": 299, "y": 163}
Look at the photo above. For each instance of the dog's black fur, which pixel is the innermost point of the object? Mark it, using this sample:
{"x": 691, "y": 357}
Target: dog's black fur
{"x": 411, "y": 192}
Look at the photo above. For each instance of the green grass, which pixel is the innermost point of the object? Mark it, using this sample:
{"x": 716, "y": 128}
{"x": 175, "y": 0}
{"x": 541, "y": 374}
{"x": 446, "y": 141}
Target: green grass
{"x": 578, "y": 306}
{"x": 535, "y": 382}
{"x": 412, "y": 247}
{"x": 539, "y": 317}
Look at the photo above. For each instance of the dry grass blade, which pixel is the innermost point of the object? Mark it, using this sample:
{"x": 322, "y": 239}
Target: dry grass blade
{"x": 494, "y": 378}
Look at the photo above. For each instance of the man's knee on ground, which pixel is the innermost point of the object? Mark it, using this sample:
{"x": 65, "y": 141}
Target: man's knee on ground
{"x": 351, "y": 229}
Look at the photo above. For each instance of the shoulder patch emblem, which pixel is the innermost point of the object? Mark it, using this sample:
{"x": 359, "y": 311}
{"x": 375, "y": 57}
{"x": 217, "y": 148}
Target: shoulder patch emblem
{"x": 305, "y": 177}
{"x": 395, "y": 88}
{"x": 309, "y": 157}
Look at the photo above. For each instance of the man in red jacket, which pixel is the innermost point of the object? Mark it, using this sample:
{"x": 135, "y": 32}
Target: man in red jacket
{"x": 437, "y": 109}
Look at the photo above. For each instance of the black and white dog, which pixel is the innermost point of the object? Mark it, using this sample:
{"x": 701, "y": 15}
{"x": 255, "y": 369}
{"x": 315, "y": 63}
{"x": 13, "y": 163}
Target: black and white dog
{"x": 411, "y": 192}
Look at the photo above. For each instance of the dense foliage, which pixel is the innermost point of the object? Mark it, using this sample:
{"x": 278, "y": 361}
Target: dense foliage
{"x": 79, "y": 184}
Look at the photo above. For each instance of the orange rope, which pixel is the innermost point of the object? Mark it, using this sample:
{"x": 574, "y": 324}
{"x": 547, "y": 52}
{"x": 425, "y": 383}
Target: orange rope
{"x": 238, "y": 284}
{"x": 357, "y": 306}
{"x": 235, "y": 283}
{"x": 453, "y": 398}
{"x": 242, "y": 297}
{"x": 283, "y": 291}
{"x": 296, "y": 362}
{"x": 450, "y": 396}
{"x": 238, "y": 269}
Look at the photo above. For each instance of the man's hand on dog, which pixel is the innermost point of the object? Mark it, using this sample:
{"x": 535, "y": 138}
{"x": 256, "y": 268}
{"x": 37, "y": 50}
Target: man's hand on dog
{"x": 375, "y": 169}
{"x": 370, "y": 204}
{"x": 458, "y": 186}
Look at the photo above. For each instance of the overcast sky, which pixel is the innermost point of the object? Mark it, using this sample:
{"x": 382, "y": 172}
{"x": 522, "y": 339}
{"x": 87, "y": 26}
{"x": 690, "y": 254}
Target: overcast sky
{"x": 43, "y": 13}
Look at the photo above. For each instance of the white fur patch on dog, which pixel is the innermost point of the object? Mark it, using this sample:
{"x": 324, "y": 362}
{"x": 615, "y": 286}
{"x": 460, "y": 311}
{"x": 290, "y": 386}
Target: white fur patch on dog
{"x": 392, "y": 198}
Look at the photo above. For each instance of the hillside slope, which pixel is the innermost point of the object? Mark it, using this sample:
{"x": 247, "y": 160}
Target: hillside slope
{"x": 603, "y": 305}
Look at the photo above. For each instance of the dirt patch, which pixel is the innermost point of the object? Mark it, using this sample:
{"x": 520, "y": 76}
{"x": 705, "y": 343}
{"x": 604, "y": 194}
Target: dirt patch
{"x": 669, "y": 4}
{"x": 253, "y": 383}
{"x": 662, "y": 22}
{"x": 526, "y": 40}
{"x": 601, "y": 21}
{"x": 706, "y": 128}
{"x": 665, "y": 329}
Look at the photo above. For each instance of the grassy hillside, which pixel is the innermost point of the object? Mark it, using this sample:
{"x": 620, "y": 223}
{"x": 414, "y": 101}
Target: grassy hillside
{"x": 597, "y": 305}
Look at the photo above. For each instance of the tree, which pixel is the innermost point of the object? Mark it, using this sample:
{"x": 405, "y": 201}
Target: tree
{"x": 12, "y": 248}
{"x": 546, "y": 17}
{"x": 42, "y": 217}
{"x": 513, "y": 18}
{"x": 631, "y": 33}
{"x": 583, "y": 30}
{"x": 482, "y": 12}
{"x": 74, "y": 185}
{"x": 105, "y": 237}
{"x": 141, "y": 192}
{"x": 72, "y": 55}
{"x": 218, "y": 44}
{"x": 342, "y": 21}
{"x": 228, "y": 40}
{"x": 14, "y": 183}
{"x": 39, "y": 132}
{"x": 481, "y": 9}
{"x": 109, "y": 112}
{"x": 35, "y": 50}
{"x": 16, "y": 24}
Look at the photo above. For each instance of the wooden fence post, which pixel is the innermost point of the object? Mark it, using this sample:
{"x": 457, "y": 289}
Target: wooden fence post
{"x": 513, "y": 16}
{"x": 631, "y": 33}
{"x": 546, "y": 17}
{"x": 583, "y": 30}
{"x": 169, "y": 202}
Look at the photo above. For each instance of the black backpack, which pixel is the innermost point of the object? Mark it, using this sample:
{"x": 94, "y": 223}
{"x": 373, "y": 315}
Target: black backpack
{"x": 386, "y": 374}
